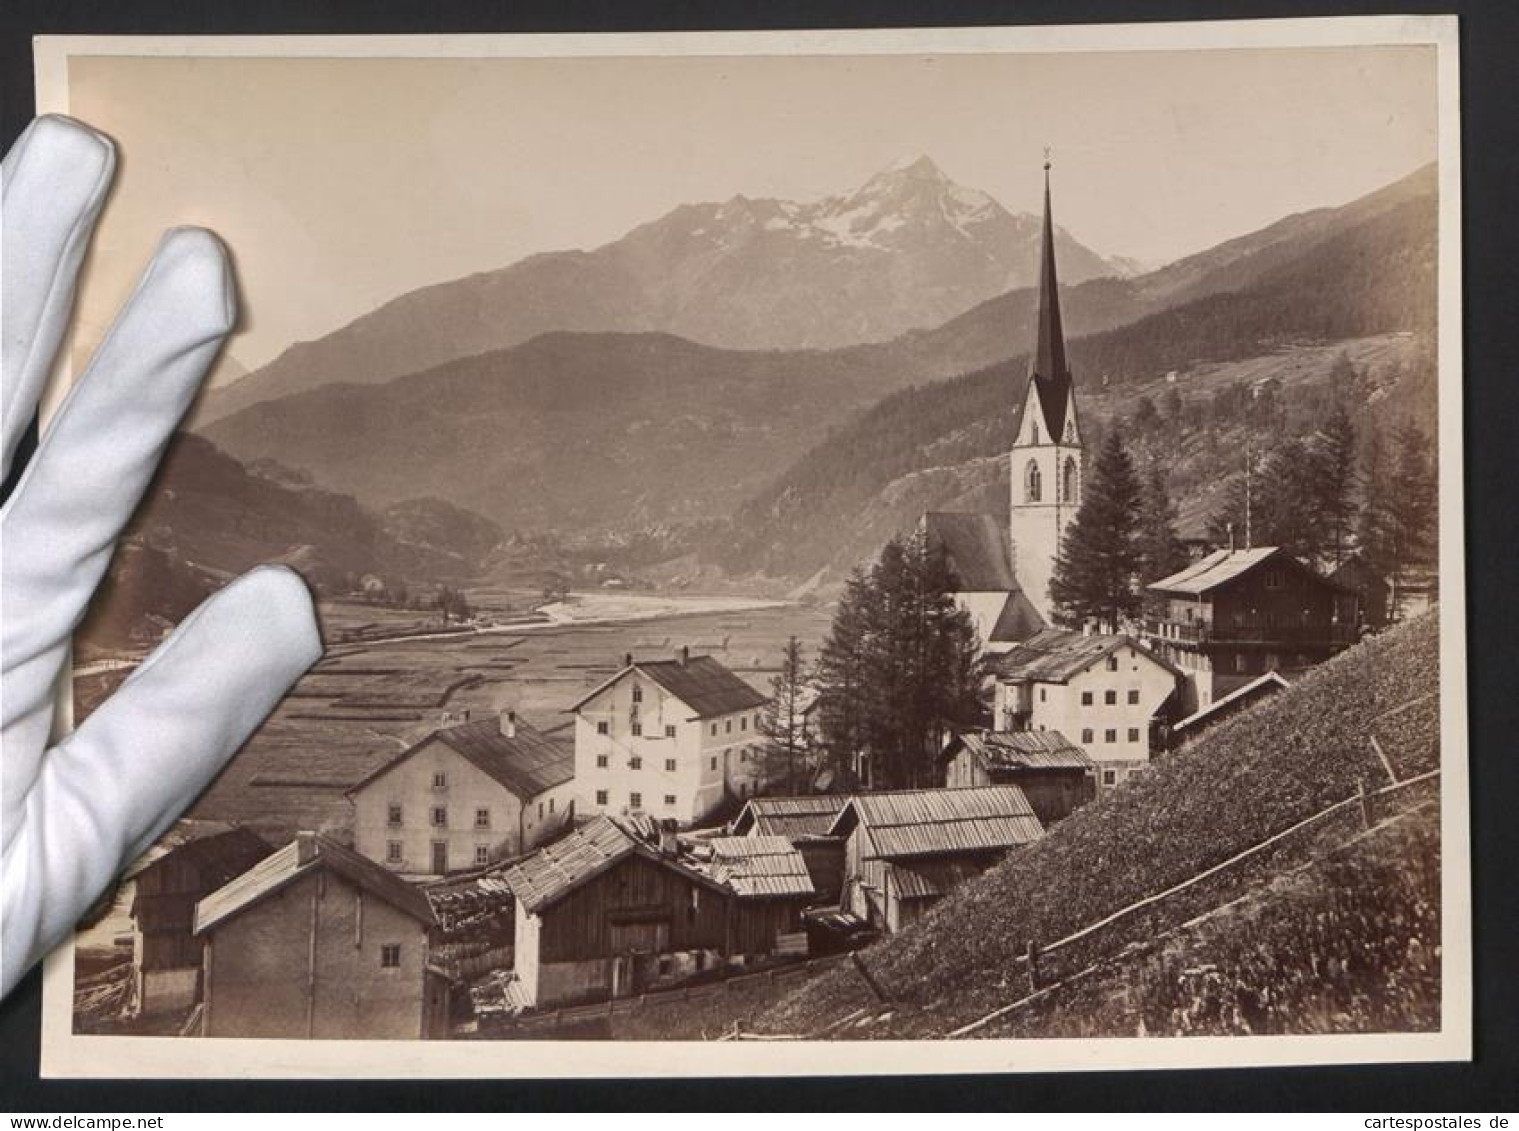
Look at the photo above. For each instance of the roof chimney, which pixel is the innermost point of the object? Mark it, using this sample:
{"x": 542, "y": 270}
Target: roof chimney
{"x": 306, "y": 848}
{"x": 669, "y": 842}
{"x": 627, "y": 659}
{"x": 685, "y": 654}
{"x": 509, "y": 723}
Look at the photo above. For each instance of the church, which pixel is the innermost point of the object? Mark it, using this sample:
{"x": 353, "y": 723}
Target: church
{"x": 1004, "y": 582}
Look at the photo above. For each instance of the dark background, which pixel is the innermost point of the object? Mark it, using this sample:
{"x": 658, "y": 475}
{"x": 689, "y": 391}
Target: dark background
{"x": 1490, "y": 169}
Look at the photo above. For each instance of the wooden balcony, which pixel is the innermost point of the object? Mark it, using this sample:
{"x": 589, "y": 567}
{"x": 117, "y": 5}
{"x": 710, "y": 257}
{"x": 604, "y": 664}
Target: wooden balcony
{"x": 1286, "y": 636}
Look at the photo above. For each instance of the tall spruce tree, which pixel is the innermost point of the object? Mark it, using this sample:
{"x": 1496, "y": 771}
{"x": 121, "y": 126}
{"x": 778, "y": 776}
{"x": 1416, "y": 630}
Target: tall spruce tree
{"x": 1160, "y": 550}
{"x": 784, "y": 725}
{"x": 898, "y": 666}
{"x": 1334, "y": 496}
{"x": 1097, "y": 568}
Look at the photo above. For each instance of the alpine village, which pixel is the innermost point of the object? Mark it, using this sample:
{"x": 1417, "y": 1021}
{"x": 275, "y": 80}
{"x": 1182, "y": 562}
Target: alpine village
{"x": 1055, "y": 763}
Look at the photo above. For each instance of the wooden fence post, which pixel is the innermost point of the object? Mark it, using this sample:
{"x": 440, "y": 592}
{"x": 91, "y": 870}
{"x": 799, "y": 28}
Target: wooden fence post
{"x": 1365, "y": 800}
{"x": 1031, "y": 956}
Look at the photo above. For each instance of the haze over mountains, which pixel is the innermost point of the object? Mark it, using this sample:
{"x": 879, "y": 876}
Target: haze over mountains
{"x": 907, "y": 250}
{"x": 596, "y": 433}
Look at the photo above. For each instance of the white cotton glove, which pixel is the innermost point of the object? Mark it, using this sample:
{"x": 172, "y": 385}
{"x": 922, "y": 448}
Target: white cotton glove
{"x": 74, "y": 814}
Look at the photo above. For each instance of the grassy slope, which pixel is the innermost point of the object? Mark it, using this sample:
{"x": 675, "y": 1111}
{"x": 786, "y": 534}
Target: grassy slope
{"x": 1288, "y": 758}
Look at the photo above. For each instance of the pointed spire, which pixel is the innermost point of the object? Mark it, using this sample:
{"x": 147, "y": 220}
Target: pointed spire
{"x": 1048, "y": 368}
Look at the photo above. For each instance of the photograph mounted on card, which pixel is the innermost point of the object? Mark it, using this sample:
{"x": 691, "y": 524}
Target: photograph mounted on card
{"x": 847, "y": 552}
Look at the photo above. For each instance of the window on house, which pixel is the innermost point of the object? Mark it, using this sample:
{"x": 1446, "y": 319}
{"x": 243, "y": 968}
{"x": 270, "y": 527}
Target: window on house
{"x": 1109, "y": 777}
{"x": 669, "y": 730}
{"x": 482, "y": 854}
{"x": 392, "y": 852}
{"x": 1086, "y": 734}
{"x": 1133, "y": 697}
{"x": 551, "y": 804}
{"x": 714, "y": 763}
{"x": 638, "y": 693}
{"x": 669, "y": 800}
{"x": 393, "y": 814}
{"x": 601, "y": 797}
{"x": 714, "y": 730}
{"x": 1273, "y": 661}
{"x": 743, "y": 722}
{"x": 601, "y": 761}
{"x": 1041, "y": 695}
{"x": 603, "y": 727}
{"x": 390, "y": 954}
{"x": 1133, "y": 734}
{"x": 439, "y": 816}
{"x": 635, "y": 800}
{"x": 1110, "y": 735}
{"x": 743, "y": 755}
{"x": 637, "y": 730}
{"x": 482, "y": 818}
{"x": 1086, "y": 698}
{"x": 440, "y": 780}
{"x": 1113, "y": 662}
{"x": 670, "y": 765}
{"x": 635, "y": 763}
{"x": 540, "y": 810}
{"x": 1273, "y": 579}
{"x": 1110, "y": 698}
{"x": 728, "y": 727}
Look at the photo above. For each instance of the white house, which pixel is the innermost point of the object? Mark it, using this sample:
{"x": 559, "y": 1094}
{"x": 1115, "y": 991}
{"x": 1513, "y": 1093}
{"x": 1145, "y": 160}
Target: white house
{"x": 1100, "y": 691}
{"x": 668, "y": 738}
{"x": 465, "y": 796}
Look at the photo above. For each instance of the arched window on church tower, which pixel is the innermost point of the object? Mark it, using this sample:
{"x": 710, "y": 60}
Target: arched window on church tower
{"x": 1031, "y": 483}
{"x": 1068, "y": 480}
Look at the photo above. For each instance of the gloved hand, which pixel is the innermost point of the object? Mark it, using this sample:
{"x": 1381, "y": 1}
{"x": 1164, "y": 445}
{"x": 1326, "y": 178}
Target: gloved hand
{"x": 74, "y": 814}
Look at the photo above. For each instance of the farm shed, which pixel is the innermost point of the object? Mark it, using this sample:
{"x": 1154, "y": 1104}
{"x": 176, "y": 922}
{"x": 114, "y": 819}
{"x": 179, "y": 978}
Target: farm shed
{"x": 317, "y": 941}
{"x": 603, "y": 911}
{"x": 771, "y": 885}
{"x": 1054, "y": 773}
{"x": 1240, "y": 699}
{"x": 789, "y": 816}
{"x": 970, "y": 828}
{"x": 166, "y": 954}
{"x": 465, "y": 796}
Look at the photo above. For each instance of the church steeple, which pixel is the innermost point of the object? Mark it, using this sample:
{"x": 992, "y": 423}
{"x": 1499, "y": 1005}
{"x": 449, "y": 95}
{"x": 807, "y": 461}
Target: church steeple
{"x": 1048, "y": 369}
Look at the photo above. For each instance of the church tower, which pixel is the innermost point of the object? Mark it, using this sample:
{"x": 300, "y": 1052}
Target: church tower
{"x": 1046, "y": 454}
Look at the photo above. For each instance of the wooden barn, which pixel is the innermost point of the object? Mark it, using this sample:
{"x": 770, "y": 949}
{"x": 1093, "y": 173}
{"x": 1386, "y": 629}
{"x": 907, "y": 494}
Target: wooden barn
{"x": 805, "y": 822}
{"x": 166, "y": 953}
{"x": 317, "y": 941}
{"x": 1220, "y": 710}
{"x": 1054, "y": 773}
{"x": 904, "y": 849}
{"x": 771, "y": 886}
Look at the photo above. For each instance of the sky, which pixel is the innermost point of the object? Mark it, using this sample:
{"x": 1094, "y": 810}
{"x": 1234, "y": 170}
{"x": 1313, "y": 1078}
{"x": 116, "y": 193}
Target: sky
{"x": 341, "y": 183}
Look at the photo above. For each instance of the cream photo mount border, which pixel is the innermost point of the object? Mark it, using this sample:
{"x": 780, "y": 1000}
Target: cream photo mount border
{"x": 66, "y": 1054}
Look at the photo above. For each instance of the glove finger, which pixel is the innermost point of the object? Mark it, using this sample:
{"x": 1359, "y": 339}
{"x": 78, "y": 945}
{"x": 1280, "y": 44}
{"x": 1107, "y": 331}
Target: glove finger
{"x": 90, "y": 471}
{"x": 105, "y": 793}
{"x": 52, "y": 185}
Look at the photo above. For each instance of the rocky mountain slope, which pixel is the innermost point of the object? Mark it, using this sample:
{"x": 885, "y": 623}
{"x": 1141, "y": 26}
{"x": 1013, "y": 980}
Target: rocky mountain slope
{"x": 907, "y": 250}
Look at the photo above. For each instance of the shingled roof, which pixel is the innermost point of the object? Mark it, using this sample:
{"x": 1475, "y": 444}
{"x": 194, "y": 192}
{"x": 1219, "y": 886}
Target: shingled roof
{"x": 1023, "y": 749}
{"x": 1055, "y": 655}
{"x": 702, "y": 683}
{"x": 789, "y": 816}
{"x": 975, "y": 547}
{"x": 1223, "y": 566}
{"x": 307, "y": 853}
{"x": 555, "y": 870}
{"x": 930, "y": 822}
{"x": 527, "y": 762}
{"x": 757, "y": 867}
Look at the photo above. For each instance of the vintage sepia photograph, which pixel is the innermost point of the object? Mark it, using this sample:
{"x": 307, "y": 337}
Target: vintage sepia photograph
{"x": 945, "y": 542}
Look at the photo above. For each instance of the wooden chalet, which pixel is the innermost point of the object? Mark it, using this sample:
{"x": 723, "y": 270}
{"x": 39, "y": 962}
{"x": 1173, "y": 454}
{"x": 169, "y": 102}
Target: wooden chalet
{"x": 166, "y": 953}
{"x": 610, "y": 911}
{"x": 1236, "y": 614}
{"x": 1054, "y": 773}
{"x": 905, "y": 849}
{"x": 804, "y": 821}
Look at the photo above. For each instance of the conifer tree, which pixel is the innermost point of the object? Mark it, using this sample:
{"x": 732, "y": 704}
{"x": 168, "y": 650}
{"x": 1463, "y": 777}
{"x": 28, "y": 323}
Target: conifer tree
{"x": 840, "y": 676}
{"x": 1097, "y": 568}
{"x": 1160, "y": 550}
{"x": 783, "y": 724}
{"x": 1335, "y": 468}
